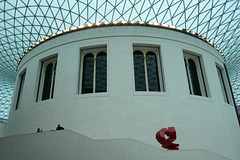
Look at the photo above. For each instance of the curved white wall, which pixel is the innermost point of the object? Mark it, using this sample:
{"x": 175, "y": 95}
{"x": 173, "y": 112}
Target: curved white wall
{"x": 2, "y": 129}
{"x": 201, "y": 122}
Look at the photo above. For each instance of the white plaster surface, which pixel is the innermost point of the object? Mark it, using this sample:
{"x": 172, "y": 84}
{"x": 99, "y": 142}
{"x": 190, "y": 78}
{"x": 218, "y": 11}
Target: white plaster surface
{"x": 206, "y": 123}
{"x": 2, "y": 129}
{"x": 62, "y": 145}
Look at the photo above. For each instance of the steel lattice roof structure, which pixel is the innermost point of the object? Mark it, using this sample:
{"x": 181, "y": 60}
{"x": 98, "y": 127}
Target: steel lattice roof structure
{"x": 24, "y": 22}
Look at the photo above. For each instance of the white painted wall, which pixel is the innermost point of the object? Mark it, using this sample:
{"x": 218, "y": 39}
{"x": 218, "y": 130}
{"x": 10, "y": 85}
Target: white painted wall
{"x": 2, "y": 128}
{"x": 62, "y": 145}
{"x": 201, "y": 122}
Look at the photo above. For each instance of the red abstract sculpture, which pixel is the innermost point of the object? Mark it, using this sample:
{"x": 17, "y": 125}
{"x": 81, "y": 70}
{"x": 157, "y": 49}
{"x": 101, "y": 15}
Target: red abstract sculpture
{"x": 167, "y": 143}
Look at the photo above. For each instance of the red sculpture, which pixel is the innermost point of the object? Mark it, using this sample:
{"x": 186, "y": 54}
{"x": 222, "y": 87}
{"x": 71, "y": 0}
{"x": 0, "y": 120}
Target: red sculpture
{"x": 167, "y": 143}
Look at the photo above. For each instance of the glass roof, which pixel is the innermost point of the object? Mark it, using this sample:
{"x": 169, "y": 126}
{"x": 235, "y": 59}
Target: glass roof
{"x": 24, "y": 22}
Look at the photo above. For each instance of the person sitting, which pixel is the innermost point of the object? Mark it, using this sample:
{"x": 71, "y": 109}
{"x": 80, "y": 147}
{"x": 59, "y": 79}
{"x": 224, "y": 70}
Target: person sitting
{"x": 59, "y": 127}
{"x": 39, "y": 130}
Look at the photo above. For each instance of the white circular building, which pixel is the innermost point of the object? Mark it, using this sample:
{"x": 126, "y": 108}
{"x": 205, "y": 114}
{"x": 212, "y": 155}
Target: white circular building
{"x": 118, "y": 84}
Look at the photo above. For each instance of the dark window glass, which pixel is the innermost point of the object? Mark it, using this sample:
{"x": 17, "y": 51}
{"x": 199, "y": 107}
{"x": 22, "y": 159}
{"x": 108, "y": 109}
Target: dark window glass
{"x": 139, "y": 71}
{"x": 189, "y": 85}
{"x": 101, "y": 72}
{"x": 54, "y": 74}
{"x": 20, "y": 91}
{"x": 88, "y": 70}
{"x": 152, "y": 72}
{"x": 47, "y": 82}
{"x": 223, "y": 85}
{"x": 194, "y": 78}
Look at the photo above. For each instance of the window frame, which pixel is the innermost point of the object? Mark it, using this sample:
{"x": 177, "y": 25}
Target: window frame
{"x": 21, "y": 83}
{"x": 200, "y": 74}
{"x": 95, "y": 51}
{"x": 156, "y": 50}
{"x": 44, "y": 63}
{"x": 224, "y": 83}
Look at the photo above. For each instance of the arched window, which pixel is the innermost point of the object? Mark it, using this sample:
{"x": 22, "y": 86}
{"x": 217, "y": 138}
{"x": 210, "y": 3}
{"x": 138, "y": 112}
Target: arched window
{"x": 152, "y": 72}
{"x": 94, "y": 72}
{"x": 47, "y": 82}
{"x": 224, "y": 85}
{"x": 195, "y": 77}
{"x": 146, "y": 69}
{"x": 47, "y": 79}
{"x": 20, "y": 91}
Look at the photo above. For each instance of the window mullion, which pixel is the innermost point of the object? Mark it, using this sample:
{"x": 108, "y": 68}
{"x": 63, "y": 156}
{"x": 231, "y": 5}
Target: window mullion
{"x": 159, "y": 72}
{"x": 94, "y": 73}
{"x": 145, "y": 69}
